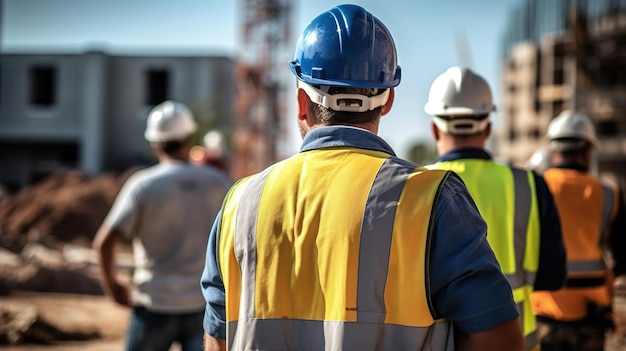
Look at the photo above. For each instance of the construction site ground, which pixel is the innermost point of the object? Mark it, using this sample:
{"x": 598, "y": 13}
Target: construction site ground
{"x": 72, "y": 312}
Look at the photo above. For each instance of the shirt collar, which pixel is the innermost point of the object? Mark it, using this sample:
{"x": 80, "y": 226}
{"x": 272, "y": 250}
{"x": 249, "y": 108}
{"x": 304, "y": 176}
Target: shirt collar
{"x": 333, "y": 136}
{"x": 464, "y": 152}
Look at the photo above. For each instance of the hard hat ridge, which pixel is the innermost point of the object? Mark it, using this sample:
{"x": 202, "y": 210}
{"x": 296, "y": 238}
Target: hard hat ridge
{"x": 459, "y": 92}
{"x": 460, "y": 101}
{"x": 346, "y": 46}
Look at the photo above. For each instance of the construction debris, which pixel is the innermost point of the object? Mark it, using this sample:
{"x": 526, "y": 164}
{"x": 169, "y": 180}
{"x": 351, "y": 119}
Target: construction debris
{"x": 45, "y": 246}
{"x": 23, "y": 324}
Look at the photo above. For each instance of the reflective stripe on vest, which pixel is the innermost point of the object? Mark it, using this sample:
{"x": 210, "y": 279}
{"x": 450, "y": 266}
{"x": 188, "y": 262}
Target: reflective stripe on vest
{"x": 609, "y": 205}
{"x": 356, "y": 296}
{"x": 514, "y": 236}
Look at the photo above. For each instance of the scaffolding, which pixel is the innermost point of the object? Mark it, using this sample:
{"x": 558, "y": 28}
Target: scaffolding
{"x": 259, "y": 130}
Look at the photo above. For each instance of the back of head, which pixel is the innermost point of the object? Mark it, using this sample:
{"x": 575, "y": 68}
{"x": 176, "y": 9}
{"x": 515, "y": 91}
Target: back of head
{"x": 571, "y": 131}
{"x": 345, "y": 60}
{"x": 460, "y": 102}
{"x": 169, "y": 121}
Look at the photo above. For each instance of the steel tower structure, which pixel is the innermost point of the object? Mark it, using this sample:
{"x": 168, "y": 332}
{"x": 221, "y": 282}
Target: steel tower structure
{"x": 259, "y": 130}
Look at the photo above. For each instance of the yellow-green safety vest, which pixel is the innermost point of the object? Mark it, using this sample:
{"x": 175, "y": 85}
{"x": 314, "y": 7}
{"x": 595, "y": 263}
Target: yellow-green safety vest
{"x": 507, "y": 200}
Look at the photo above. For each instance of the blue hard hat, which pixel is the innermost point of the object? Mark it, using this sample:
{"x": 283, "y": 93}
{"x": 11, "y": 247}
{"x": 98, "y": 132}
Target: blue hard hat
{"x": 346, "y": 46}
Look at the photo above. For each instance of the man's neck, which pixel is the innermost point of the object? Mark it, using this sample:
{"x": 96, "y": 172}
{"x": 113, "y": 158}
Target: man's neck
{"x": 446, "y": 145}
{"x": 164, "y": 158}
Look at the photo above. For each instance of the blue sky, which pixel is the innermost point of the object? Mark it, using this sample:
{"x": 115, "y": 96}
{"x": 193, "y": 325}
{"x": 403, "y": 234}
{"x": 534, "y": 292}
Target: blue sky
{"x": 430, "y": 36}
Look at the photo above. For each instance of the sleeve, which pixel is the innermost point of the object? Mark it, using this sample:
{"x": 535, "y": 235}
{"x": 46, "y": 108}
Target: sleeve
{"x": 617, "y": 238}
{"x": 467, "y": 285}
{"x": 124, "y": 212}
{"x": 552, "y": 271}
{"x": 212, "y": 287}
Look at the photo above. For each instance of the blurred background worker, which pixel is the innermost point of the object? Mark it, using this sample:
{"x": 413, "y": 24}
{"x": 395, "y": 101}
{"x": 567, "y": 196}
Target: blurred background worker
{"x": 166, "y": 211}
{"x": 592, "y": 215}
{"x": 212, "y": 152}
{"x": 344, "y": 246}
{"x": 523, "y": 224}
{"x": 539, "y": 161}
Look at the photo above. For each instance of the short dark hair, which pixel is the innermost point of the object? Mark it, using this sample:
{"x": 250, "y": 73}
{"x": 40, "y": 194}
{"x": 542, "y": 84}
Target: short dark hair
{"x": 326, "y": 115}
{"x": 172, "y": 147}
{"x": 571, "y": 145}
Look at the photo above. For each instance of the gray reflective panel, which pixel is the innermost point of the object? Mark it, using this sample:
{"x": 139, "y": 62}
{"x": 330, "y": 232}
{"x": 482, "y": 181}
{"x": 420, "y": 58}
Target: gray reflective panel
{"x": 308, "y": 335}
{"x": 608, "y": 201}
{"x": 523, "y": 199}
{"x": 376, "y": 235}
{"x": 585, "y": 266}
{"x": 245, "y": 240}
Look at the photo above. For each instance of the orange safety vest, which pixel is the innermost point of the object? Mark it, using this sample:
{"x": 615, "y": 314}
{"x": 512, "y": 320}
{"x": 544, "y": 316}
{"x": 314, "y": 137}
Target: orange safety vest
{"x": 586, "y": 208}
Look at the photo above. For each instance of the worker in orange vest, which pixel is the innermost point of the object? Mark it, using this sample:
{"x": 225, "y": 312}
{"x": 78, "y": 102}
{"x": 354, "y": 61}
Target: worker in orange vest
{"x": 593, "y": 223}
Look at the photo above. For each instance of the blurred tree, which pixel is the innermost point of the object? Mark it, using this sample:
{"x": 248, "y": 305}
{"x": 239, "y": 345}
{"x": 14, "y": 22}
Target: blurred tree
{"x": 422, "y": 152}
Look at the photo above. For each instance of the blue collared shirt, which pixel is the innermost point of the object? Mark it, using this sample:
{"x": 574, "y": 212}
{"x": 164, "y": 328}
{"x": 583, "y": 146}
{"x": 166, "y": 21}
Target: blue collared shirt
{"x": 466, "y": 284}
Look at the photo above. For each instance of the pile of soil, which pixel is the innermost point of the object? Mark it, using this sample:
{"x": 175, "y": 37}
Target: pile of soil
{"x": 24, "y": 324}
{"x": 67, "y": 206}
{"x": 45, "y": 246}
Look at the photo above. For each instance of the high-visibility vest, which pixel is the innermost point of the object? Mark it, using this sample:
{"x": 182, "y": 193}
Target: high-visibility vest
{"x": 507, "y": 200}
{"x": 318, "y": 251}
{"x": 586, "y": 208}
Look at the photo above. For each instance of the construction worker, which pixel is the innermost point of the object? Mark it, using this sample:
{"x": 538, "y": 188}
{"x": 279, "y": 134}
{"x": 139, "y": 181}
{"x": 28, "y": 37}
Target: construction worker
{"x": 539, "y": 161}
{"x": 344, "y": 246}
{"x": 167, "y": 211}
{"x": 592, "y": 216}
{"x": 212, "y": 152}
{"x": 523, "y": 225}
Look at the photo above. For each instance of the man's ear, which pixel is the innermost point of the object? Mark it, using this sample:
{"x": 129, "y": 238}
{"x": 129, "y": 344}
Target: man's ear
{"x": 435, "y": 131}
{"x": 389, "y": 103}
{"x": 303, "y": 103}
{"x": 488, "y": 130}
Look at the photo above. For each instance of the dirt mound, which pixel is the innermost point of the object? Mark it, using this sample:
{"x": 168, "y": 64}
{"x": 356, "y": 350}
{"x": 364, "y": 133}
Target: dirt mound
{"x": 25, "y": 325}
{"x": 61, "y": 322}
{"x": 45, "y": 235}
{"x": 68, "y": 206}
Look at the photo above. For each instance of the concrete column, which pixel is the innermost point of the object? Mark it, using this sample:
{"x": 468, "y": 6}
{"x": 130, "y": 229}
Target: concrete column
{"x": 93, "y": 112}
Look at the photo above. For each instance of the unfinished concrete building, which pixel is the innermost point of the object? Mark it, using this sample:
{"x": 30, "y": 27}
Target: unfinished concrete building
{"x": 565, "y": 54}
{"x": 88, "y": 110}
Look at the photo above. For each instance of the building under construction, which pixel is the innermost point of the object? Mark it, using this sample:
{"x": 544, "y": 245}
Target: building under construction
{"x": 565, "y": 54}
{"x": 259, "y": 128}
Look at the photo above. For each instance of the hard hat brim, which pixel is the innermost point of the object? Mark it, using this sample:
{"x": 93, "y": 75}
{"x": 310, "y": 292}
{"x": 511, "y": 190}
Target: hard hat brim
{"x": 295, "y": 69}
{"x": 438, "y": 110}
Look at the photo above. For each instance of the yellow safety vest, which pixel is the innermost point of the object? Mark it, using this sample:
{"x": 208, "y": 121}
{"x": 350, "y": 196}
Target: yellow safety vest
{"x": 507, "y": 200}
{"x": 317, "y": 253}
{"x": 586, "y": 207}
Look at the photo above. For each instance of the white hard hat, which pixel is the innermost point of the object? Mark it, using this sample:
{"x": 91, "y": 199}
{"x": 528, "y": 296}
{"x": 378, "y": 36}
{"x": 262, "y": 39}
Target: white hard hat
{"x": 460, "y": 100}
{"x": 571, "y": 130}
{"x": 169, "y": 121}
{"x": 214, "y": 141}
{"x": 539, "y": 161}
